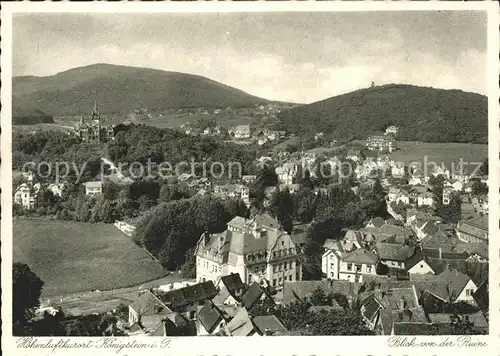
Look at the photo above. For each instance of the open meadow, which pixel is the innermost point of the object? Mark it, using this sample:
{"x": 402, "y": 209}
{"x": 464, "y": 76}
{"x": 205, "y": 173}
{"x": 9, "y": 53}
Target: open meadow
{"x": 72, "y": 257}
{"x": 440, "y": 153}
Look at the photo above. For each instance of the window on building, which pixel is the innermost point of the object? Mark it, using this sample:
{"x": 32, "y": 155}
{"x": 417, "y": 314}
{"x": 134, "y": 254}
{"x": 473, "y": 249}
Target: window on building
{"x": 349, "y": 266}
{"x": 281, "y": 281}
{"x": 289, "y": 278}
{"x": 274, "y": 282}
{"x": 369, "y": 269}
{"x": 469, "y": 292}
{"x": 358, "y": 268}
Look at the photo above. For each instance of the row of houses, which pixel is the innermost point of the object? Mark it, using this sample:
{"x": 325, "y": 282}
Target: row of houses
{"x": 204, "y": 309}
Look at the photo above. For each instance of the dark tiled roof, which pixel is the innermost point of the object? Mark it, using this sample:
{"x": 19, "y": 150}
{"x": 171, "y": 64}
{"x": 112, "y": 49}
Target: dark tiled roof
{"x": 377, "y": 222}
{"x": 188, "y": 295}
{"x": 394, "y": 252}
{"x": 360, "y": 256}
{"x": 233, "y": 283}
{"x": 482, "y": 297}
{"x": 268, "y": 324}
{"x": 252, "y": 295}
{"x": 209, "y": 316}
{"x": 404, "y": 328}
{"x": 148, "y": 304}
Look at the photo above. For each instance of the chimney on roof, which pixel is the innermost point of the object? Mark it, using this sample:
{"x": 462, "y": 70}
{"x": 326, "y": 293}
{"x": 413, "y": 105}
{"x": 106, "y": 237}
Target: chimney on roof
{"x": 440, "y": 253}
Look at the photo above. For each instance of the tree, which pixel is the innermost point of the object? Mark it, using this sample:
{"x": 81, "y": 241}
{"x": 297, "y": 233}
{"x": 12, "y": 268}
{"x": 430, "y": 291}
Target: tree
{"x": 304, "y": 204}
{"x": 484, "y": 170}
{"x": 479, "y": 188}
{"x": 281, "y": 207}
{"x": 382, "y": 269}
{"x": 266, "y": 177}
{"x": 452, "y": 212}
{"x": 110, "y": 190}
{"x": 188, "y": 269}
{"x": 318, "y": 297}
{"x": 264, "y": 307}
{"x": 26, "y": 291}
{"x": 338, "y": 322}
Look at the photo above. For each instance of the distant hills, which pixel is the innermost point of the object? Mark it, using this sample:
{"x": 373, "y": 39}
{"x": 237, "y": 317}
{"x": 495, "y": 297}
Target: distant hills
{"x": 421, "y": 113}
{"x": 120, "y": 89}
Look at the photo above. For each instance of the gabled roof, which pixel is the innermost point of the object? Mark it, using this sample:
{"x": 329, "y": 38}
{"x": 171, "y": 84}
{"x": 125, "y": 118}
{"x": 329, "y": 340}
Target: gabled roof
{"x": 377, "y": 222}
{"x": 148, "y": 304}
{"x": 252, "y": 295}
{"x": 455, "y": 282}
{"x": 96, "y": 184}
{"x": 394, "y": 252}
{"x": 481, "y": 296}
{"x": 240, "y": 325}
{"x": 361, "y": 256}
{"x": 268, "y": 324}
{"x": 233, "y": 283}
{"x": 188, "y": 295}
{"x": 209, "y": 316}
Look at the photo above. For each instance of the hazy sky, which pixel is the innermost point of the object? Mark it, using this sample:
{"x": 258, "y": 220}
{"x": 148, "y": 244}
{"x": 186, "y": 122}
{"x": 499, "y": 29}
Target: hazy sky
{"x": 300, "y": 57}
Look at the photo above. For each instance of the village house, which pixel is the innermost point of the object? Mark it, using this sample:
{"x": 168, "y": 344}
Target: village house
{"x": 287, "y": 173}
{"x": 149, "y": 316}
{"x": 254, "y": 248}
{"x": 397, "y": 169}
{"x": 93, "y": 188}
{"x": 350, "y": 266}
{"x": 238, "y": 191}
{"x": 450, "y": 286}
{"x": 394, "y": 255}
{"x": 391, "y": 130}
{"x": 383, "y": 143}
{"x": 421, "y": 195}
{"x": 242, "y": 132}
{"x": 418, "y": 264}
{"x": 355, "y": 155}
{"x": 57, "y": 189}
{"x": 27, "y": 193}
{"x": 247, "y": 179}
{"x": 473, "y": 230}
{"x": 447, "y": 194}
{"x": 187, "y": 300}
{"x": 384, "y": 307}
{"x": 212, "y": 318}
{"x": 230, "y": 290}
{"x": 480, "y": 204}
{"x": 398, "y": 194}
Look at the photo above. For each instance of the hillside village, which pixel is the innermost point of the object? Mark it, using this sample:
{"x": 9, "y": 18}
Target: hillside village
{"x": 287, "y": 255}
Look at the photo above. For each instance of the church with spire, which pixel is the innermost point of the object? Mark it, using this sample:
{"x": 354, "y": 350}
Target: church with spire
{"x": 92, "y": 130}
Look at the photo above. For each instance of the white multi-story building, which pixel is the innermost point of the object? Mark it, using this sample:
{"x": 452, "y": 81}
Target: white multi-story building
{"x": 26, "y": 194}
{"x": 345, "y": 260}
{"x": 254, "y": 248}
{"x": 93, "y": 188}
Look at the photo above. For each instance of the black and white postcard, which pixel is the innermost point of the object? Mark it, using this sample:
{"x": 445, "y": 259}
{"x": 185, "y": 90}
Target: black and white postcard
{"x": 178, "y": 170}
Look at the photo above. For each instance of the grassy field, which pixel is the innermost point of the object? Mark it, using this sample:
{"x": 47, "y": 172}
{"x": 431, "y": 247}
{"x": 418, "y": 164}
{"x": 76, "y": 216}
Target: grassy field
{"x": 441, "y": 153}
{"x": 72, "y": 257}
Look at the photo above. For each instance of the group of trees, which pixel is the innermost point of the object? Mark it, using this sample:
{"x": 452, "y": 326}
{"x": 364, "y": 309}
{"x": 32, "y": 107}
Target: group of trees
{"x": 26, "y": 291}
{"x": 171, "y": 230}
{"x": 451, "y": 212}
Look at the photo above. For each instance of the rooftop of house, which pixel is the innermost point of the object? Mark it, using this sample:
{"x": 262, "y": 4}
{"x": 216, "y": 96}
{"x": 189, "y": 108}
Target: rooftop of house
{"x": 232, "y": 282}
{"x": 361, "y": 256}
{"x": 474, "y": 226}
{"x": 377, "y": 222}
{"x": 393, "y": 252}
{"x": 339, "y": 245}
{"x": 240, "y": 325}
{"x": 192, "y": 294}
{"x": 96, "y": 184}
{"x": 390, "y": 316}
{"x": 268, "y": 324}
{"x": 481, "y": 296}
{"x": 149, "y": 304}
{"x": 209, "y": 316}
{"x": 252, "y": 295}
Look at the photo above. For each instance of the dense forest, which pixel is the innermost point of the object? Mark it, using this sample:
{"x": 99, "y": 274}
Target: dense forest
{"x": 422, "y": 114}
{"x": 22, "y": 117}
